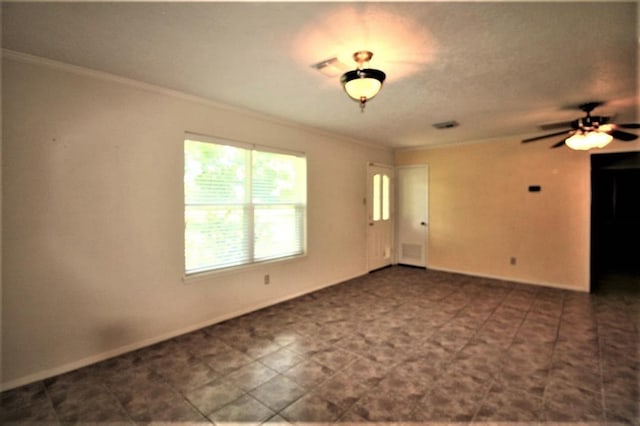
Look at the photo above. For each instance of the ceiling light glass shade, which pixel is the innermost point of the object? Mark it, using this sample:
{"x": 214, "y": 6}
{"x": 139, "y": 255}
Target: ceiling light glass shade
{"x": 589, "y": 140}
{"x": 363, "y": 84}
{"x": 578, "y": 142}
{"x": 599, "y": 139}
{"x": 606, "y": 128}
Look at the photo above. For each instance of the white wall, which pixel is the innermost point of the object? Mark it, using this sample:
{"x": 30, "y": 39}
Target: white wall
{"x": 93, "y": 216}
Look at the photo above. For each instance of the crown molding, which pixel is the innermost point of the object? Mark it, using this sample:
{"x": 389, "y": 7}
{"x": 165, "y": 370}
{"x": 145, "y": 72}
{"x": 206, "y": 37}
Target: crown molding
{"x": 136, "y": 84}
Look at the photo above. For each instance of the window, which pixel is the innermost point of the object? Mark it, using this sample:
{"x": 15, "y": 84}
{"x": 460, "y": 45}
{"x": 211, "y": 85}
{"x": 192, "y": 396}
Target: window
{"x": 241, "y": 205}
{"x": 381, "y": 203}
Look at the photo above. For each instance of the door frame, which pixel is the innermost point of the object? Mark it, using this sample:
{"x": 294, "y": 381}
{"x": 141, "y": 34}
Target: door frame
{"x": 614, "y": 164}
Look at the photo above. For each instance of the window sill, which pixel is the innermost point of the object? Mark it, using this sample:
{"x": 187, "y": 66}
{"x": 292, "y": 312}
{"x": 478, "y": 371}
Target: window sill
{"x": 232, "y": 270}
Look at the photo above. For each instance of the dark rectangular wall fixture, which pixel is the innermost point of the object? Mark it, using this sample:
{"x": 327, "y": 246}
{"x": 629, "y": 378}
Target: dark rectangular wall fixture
{"x": 534, "y": 188}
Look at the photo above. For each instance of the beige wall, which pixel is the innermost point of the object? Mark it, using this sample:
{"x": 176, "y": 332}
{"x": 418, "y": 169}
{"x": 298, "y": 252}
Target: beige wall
{"x": 93, "y": 217}
{"x": 481, "y": 213}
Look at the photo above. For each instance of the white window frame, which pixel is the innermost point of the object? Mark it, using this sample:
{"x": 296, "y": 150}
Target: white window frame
{"x": 198, "y": 274}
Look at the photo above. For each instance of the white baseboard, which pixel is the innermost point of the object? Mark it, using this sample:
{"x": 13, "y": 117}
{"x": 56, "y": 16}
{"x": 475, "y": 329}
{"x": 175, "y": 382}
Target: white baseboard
{"x": 65, "y": 368}
{"x": 515, "y": 280}
{"x": 44, "y": 374}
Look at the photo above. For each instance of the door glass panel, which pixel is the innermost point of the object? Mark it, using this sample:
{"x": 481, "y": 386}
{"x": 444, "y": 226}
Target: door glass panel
{"x": 376, "y": 198}
{"x": 385, "y": 198}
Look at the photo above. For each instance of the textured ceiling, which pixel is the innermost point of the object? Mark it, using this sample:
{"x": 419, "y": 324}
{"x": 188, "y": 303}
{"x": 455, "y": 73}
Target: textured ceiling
{"x": 499, "y": 69}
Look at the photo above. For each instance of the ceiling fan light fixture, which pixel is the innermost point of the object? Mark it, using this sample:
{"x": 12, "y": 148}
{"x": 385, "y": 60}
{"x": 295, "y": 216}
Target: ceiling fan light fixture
{"x": 583, "y": 141}
{"x": 599, "y": 139}
{"x": 362, "y": 83}
{"x": 578, "y": 142}
{"x": 589, "y": 131}
{"x": 606, "y": 127}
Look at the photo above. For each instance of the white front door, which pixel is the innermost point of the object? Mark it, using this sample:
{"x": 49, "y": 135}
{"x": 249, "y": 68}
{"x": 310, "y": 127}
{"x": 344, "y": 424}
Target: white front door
{"x": 412, "y": 215}
{"x": 379, "y": 216}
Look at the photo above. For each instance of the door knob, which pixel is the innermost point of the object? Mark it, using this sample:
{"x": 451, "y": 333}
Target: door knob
{"x": 423, "y": 223}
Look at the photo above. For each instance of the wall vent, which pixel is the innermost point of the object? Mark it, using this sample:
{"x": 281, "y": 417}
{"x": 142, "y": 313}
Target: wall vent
{"x": 446, "y": 124}
{"x": 412, "y": 251}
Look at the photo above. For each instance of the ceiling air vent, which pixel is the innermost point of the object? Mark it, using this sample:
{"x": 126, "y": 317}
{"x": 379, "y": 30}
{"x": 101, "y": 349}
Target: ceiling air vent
{"x": 446, "y": 124}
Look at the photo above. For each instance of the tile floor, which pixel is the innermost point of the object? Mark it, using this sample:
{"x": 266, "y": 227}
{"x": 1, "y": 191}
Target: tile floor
{"x": 398, "y": 345}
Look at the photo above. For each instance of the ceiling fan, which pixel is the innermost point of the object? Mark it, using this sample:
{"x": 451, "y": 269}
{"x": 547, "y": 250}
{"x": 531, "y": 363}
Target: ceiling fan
{"x": 589, "y": 131}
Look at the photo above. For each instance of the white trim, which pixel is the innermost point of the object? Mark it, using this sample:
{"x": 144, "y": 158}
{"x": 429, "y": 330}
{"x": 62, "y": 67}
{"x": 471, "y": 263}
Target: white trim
{"x": 216, "y": 140}
{"x": 216, "y": 273}
{"x": 248, "y": 206}
{"x": 219, "y": 140}
{"x": 440, "y": 145}
{"x": 510, "y": 279}
{"x": 65, "y": 368}
{"x": 102, "y": 75}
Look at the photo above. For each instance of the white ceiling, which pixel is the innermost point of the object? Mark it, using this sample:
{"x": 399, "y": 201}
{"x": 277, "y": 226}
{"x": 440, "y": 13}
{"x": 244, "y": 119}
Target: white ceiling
{"x": 499, "y": 69}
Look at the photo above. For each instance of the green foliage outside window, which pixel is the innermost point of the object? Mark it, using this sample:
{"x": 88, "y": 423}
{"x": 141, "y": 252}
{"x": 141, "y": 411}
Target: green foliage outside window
{"x": 241, "y": 205}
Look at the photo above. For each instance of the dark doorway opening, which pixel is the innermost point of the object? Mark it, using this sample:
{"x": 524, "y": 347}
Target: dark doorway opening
{"x": 615, "y": 220}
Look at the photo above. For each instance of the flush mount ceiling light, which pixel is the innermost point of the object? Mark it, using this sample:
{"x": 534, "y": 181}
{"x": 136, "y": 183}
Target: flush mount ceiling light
{"x": 362, "y": 83}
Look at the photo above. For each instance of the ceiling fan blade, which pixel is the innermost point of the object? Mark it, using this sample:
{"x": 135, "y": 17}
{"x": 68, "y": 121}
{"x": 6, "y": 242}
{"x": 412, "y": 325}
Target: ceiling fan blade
{"x": 544, "y": 136}
{"x": 331, "y": 67}
{"x": 629, "y": 125}
{"x": 558, "y": 125}
{"x": 623, "y": 136}
{"x": 558, "y": 144}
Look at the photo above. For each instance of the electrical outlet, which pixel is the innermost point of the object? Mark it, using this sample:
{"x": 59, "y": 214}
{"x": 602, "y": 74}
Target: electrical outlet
{"x": 513, "y": 261}
{"x": 267, "y": 279}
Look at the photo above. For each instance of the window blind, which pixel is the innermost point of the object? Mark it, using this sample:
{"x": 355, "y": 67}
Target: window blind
{"x": 241, "y": 205}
